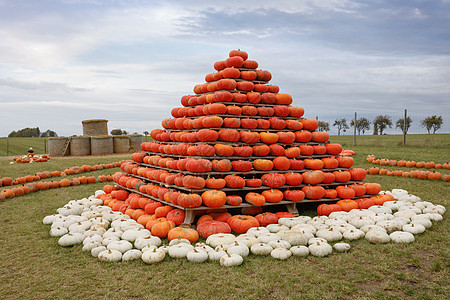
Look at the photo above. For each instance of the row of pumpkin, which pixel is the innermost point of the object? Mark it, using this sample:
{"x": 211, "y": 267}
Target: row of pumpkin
{"x": 8, "y": 181}
{"x": 420, "y": 174}
{"x": 406, "y": 163}
{"x": 31, "y": 158}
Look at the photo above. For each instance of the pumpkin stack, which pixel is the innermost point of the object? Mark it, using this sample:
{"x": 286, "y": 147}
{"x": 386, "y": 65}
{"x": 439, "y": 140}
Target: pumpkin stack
{"x": 239, "y": 142}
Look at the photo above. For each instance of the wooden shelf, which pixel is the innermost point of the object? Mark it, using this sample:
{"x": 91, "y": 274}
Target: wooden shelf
{"x": 232, "y": 157}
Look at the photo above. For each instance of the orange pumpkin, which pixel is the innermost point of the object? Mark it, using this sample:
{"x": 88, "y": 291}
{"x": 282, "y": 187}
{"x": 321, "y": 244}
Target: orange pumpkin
{"x": 183, "y": 233}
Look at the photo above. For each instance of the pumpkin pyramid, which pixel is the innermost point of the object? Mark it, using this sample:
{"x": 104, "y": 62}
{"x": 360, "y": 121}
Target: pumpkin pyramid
{"x": 239, "y": 142}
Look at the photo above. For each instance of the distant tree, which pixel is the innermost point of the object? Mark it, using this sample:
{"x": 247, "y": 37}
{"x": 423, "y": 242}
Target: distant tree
{"x": 26, "y": 132}
{"x": 118, "y": 132}
{"x": 433, "y": 122}
{"x": 49, "y": 133}
{"x": 401, "y": 122}
{"x": 362, "y": 124}
{"x": 341, "y": 124}
{"x": 381, "y": 122}
{"x": 146, "y": 133}
{"x": 324, "y": 126}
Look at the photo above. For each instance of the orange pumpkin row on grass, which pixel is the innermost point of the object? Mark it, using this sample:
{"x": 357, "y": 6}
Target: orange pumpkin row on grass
{"x": 421, "y": 174}
{"x": 409, "y": 164}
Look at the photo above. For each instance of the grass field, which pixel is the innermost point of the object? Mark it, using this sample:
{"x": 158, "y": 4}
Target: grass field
{"x": 36, "y": 267}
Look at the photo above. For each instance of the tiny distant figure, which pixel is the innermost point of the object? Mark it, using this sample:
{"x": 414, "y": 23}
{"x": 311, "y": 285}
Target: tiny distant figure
{"x": 30, "y": 152}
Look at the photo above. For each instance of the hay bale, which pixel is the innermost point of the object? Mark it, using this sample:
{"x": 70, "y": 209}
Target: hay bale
{"x": 95, "y": 127}
{"x": 136, "y": 141}
{"x": 102, "y": 145}
{"x": 121, "y": 143}
{"x": 80, "y": 146}
{"x": 56, "y": 146}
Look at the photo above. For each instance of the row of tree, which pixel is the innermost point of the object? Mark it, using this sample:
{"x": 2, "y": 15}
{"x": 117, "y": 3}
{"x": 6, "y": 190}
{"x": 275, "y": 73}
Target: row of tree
{"x": 380, "y": 123}
{"x": 32, "y": 132}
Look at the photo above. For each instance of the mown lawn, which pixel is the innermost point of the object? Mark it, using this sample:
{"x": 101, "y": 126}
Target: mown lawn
{"x": 34, "y": 266}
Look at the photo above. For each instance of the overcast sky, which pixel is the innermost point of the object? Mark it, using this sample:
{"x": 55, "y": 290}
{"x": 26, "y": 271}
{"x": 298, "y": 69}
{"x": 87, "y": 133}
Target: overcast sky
{"x": 130, "y": 61}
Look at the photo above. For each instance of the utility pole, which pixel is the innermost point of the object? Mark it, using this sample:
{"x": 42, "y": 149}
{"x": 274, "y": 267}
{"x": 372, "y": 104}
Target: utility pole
{"x": 404, "y": 129}
{"x": 354, "y": 131}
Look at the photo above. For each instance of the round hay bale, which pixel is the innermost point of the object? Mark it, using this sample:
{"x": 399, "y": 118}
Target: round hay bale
{"x": 136, "y": 141}
{"x": 80, "y": 146}
{"x": 56, "y": 146}
{"x": 95, "y": 127}
{"x": 121, "y": 143}
{"x": 102, "y": 145}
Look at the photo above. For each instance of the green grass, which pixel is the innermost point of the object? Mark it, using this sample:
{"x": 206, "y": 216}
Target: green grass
{"x": 20, "y": 145}
{"x": 35, "y": 266}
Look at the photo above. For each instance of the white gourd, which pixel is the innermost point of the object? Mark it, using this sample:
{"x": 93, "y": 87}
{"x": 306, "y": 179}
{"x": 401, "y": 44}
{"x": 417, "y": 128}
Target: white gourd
{"x": 164, "y": 248}
{"x": 402, "y": 237}
{"x": 304, "y": 227}
{"x": 95, "y": 230}
{"x": 257, "y": 231}
{"x": 435, "y": 217}
{"x": 341, "y": 247}
{"x": 95, "y": 251}
{"x": 289, "y": 222}
{"x": 108, "y": 240}
{"x": 424, "y": 222}
{"x": 92, "y": 238}
{"x": 261, "y": 249}
{"x": 148, "y": 248}
{"x": 299, "y": 250}
{"x": 178, "y": 241}
{"x": 320, "y": 249}
{"x": 353, "y": 234}
{"x": 281, "y": 253}
{"x": 217, "y": 239}
{"x": 110, "y": 256}
{"x": 247, "y": 240}
{"x": 180, "y": 250}
{"x": 267, "y": 237}
{"x": 238, "y": 248}
{"x": 141, "y": 242}
{"x": 316, "y": 240}
{"x": 274, "y": 228}
{"x": 49, "y": 219}
{"x": 132, "y": 234}
{"x": 91, "y": 245}
{"x": 366, "y": 228}
{"x": 122, "y": 246}
{"x": 58, "y": 231}
{"x": 380, "y": 209}
{"x": 205, "y": 248}
{"x": 359, "y": 222}
{"x": 80, "y": 227}
{"x": 197, "y": 256}
{"x": 280, "y": 244}
{"x": 377, "y": 237}
{"x": 113, "y": 232}
{"x": 294, "y": 238}
{"x": 331, "y": 222}
{"x": 343, "y": 227}
{"x": 231, "y": 260}
{"x": 405, "y": 213}
{"x": 132, "y": 254}
{"x": 329, "y": 234}
{"x": 414, "y": 228}
{"x": 216, "y": 254}
{"x": 71, "y": 239}
{"x": 390, "y": 225}
{"x": 153, "y": 256}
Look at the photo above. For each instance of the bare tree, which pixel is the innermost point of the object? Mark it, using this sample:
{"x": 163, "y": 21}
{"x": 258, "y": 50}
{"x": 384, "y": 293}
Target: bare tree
{"x": 341, "y": 124}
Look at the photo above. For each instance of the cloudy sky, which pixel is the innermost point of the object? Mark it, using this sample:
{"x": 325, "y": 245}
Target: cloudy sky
{"x": 130, "y": 61}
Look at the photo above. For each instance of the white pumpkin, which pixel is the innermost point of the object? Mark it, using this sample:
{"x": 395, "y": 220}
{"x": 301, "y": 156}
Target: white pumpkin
{"x": 71, "y": 239}
{"x": 238, "y": 248}
{"x": 216, "y": 254}
{"x": 316, "y": 240}
{"x": 80, "y": 227}
{"x": 153, "y": 256}
{"x": 49, "y": 219}
{"x": 331, "y": 222}
{"x": 92, "y": 238}
{"x": 110, "y": 256}
{"x": 289, "y": 222}
{"x": 281, "y": 253}
{"x": 414, "y": 228}
{"x": 261, "y": 249}
{"x": 353, "y": 234}
{"x": 267, "y": 237}
{"x": 95, "y": 251}
{"x": 274, "y": 228}
{"x": 113, "y": 232}
{"x": 295, "y": 238}
{"x": 359, "y": 222}
{"x": 435, "y": 209}
{"x": 435, "y": 217}
{"x": 377, "y": 237}
{"x": 197, "y": 256}
{"x": 390, "y": 225}
{"x": 231, "y": 260}
{"x": 320, "y": 249}
{"x": 217, "y": 239}
{"x": 108, "y": 240}
{"x": 91, "y": 245}
{"x": 164, "y": 248}
{"x": 141, "y": 242}
{"x": 132, "y": 254}
{"x": 280, "y": 244}
{"x": 304, "y": 227}
{"x": 343, "y": 227}
{"x": 424, "y": 222}
{"x": 95, "y": 230}
{"x": 402, "y": 237}
{"x": 341, "y": 247}
{"x": 205, "y": 248}
{"x": 366, "y": 228}
{"x": 149, "y": 248}
{"x": 122, "y": 246}
{"x": 180, "y": 250}
{"x": 329, "y": 234}
{"x": 132, "y": 234}
{"x": 380, "y": 209}
{"x": 178, "y": 241}
{"x": 247, "y": 240}
{"x": 409, "y": 213}
{"x": 58, "y": 231}
{"x": 257, "y": 231}
{"x": 299, "y": 250}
